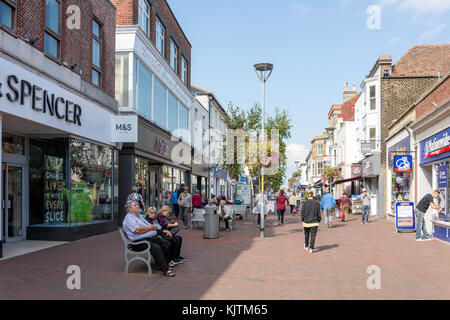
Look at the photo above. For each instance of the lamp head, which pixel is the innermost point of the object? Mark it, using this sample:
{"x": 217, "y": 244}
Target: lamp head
{"x": 263, "y": 70}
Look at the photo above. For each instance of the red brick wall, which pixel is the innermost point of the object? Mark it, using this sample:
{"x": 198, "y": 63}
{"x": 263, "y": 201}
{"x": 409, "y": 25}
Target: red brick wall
{"x": 439, "y": 95}
{"x": 76, "y": 45}
{"x": 127, "y": 14}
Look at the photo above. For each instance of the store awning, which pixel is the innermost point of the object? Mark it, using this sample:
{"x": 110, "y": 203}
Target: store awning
{"x": 347, "y": 180}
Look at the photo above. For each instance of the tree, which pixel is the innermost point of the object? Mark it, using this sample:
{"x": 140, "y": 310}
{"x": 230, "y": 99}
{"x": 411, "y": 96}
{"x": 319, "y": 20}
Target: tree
{"x": 331, "y": 174}
{"x": 251, "y": 120}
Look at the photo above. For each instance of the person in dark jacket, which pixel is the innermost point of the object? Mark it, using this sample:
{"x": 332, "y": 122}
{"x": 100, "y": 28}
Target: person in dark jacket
{"x": 311, "y": 218}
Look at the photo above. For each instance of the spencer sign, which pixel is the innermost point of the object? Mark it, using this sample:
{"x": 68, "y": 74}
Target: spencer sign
{"x": 23, "y": 92}
{"x": 435, "y": 147}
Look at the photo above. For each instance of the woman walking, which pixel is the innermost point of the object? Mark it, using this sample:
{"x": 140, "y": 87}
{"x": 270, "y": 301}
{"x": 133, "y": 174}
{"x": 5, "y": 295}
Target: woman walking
{"x": 292, "y": 202}
{"x": 185, "y": 203}
{"x": 311, "y": 218}
{"x": 345, "y": 205}
{"x": 281, "y": 207}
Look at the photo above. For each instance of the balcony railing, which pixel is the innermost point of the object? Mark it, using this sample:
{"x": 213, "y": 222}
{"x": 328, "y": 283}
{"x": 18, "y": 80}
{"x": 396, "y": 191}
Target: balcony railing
{"x": 368, "y": 146}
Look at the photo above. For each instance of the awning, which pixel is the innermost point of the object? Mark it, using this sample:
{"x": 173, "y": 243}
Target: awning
{"x": 347, "y": 180}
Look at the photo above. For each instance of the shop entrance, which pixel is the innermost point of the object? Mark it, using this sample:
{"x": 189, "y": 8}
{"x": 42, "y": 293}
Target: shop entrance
{"x": 13, "y": 202}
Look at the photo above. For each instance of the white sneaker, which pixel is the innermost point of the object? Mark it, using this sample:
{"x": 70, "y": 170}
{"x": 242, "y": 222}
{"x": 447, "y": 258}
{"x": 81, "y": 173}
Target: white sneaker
{"x": 428, "y": 239}
{"x": 419, "y": 239}
{"x": 310, "y": 250}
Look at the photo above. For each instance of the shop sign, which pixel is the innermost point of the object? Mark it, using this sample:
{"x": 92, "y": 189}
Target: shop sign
{"x": 436, "y": 147}
{"x": 403, "y": 147}
{"x": 243, "y": 179}
{"x": 356, "y": 171}
{"x": 442, "y": 177}
{"x": 124, "y": 128}
{"x": 30, "y": 96}
{"x": 54, "y": 195}
{"x": 402, "y": 163}
{"x": 161, "y": 147}
{"x": 404, "y": 215}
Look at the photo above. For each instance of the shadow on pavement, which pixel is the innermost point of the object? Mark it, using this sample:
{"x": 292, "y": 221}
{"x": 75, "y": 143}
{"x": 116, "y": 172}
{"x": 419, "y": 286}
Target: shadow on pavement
{"x": 323, "y": 248}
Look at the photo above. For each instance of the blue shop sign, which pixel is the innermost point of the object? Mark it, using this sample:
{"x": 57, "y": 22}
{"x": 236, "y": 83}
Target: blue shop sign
{"x": 436, "y": 147}
{"x": 243, "y": 179}
{"x": 402, "y": 163}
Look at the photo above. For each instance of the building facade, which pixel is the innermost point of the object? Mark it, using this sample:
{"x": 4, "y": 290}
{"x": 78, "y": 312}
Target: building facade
{"x": 153, "y": 59}
{"x": 59, "y": 177}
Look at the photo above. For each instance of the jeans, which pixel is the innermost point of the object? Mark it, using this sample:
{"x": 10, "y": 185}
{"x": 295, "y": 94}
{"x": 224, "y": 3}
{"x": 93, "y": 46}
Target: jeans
{"x": 176, "y": 209}
{"x": 310, "y": 232}
{"x": 328, "y": 215}
{"x": 184, "y": 211}
{"x": 421, "y": 225}
{"x": 161, "y": 251}
{"x": 280, "y": 213}
{"x": 365, "y": 213}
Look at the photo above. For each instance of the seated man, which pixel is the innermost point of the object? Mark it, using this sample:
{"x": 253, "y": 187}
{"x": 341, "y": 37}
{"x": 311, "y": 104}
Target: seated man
{"x": 137, "y": 229}
{"x": 223, "y": 212}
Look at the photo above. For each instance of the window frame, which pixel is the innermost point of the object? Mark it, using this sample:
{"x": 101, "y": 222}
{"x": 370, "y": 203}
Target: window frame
{"x": 147, "y": 14}
{"x": 321, "y": 151}
{"x": 184, "y": 70}
{"x": 99, "y": 40}
{"x": 160, "y": 36}
{"x": 53, "y": 34}
{"x": 13, "y": 5}
{"x": 372, "y": 99}
{"x": 174, "y": 56}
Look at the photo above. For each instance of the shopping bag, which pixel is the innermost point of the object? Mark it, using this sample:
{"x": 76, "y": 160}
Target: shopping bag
{"x": 341, "y": 214}
{"x": 337, "y": 213}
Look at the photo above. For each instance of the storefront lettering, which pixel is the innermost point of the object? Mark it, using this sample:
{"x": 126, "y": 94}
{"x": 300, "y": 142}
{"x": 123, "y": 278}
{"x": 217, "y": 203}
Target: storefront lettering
{"x": 54, "y": 190}
{"x": 42, "y": 100}
{"x": 161, "y": 147}
{"x": 436, "y": 146}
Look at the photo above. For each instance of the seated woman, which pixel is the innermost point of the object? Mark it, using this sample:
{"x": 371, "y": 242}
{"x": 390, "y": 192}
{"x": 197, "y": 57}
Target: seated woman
{"x": 163, "y": 219}
{"x": 164, "y": 238}
{"x": 222, "y": 211}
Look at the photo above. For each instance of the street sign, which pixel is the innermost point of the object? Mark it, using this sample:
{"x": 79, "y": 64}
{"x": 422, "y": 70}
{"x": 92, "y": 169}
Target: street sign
{"x": 243, "y": 179}
{"x": 402, "y": 163}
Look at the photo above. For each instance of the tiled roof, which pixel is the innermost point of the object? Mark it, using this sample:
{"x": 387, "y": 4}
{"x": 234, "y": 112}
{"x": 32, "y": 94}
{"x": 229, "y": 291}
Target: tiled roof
{"x": 334, "y": 107}
{"x": 423, "y": 60}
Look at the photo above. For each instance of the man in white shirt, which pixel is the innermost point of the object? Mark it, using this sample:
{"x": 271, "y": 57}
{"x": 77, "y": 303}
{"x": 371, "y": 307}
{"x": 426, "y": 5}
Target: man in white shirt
{"x": 137, "y": 228}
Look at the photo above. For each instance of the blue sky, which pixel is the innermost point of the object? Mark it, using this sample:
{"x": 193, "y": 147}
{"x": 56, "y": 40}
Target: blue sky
{"x": 315, "y": 46}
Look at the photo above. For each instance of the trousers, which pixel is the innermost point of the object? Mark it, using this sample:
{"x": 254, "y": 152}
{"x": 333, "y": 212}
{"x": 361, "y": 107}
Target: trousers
{"x": 310, "y": 236}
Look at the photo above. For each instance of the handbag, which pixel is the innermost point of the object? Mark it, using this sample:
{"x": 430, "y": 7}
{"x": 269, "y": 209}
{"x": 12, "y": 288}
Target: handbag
{"x": 174, "y": 230}
{"x": 341, "y": 214}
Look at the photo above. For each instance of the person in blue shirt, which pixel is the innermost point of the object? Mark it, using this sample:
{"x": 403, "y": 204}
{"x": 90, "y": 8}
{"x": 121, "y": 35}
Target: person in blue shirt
{"x": 174, "y": 200}
{"x": 327, "y": 204}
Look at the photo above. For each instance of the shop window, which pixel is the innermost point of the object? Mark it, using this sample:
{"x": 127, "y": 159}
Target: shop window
{"x": 173, "y": 113}
{"x": 143, "y": 90}
{"x": 48, "y": 184}
{"x": 13, "y": 144}
{"x": 401, "y": 186}
{"x": 91, "y": 182}
{"x": 159, "y": 104}
{"x": 122, "y": 79}
{"x": 141, "y": 179}
{"x": 183, "y": 122}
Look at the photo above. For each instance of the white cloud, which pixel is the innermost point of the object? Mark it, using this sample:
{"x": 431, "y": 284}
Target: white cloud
{"x": 428, "y": 35}
{"x": 294, "y": 152}
{"x": 299, "y": 7}
{"x": 418, "y": 6}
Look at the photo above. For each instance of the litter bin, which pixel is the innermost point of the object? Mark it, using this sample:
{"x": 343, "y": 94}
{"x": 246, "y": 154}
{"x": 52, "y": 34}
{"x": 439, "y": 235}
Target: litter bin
{"x": 211, "y": 225}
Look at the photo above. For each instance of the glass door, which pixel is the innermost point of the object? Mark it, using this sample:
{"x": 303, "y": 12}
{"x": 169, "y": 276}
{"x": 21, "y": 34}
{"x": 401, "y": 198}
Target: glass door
{"x": 13, "y": 202}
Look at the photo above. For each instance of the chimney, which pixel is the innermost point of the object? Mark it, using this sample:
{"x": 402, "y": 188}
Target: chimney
{"x": 349, "y": 94}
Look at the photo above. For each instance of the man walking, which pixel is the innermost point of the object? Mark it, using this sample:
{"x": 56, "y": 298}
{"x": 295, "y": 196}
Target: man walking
{"x": 327, "y": 204}
{"x": 185, "y": 203}
{"x": 421, "y": 209}
{"x": 365, "y": 200}
{"x": 310, "y": 214}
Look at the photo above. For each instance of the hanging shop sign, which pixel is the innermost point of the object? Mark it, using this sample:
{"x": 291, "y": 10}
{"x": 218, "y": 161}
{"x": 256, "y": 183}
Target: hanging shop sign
{"x": 356, "y": 170}
{"x": 124, "y": 128}
{"x": 404, "y": 216}
{"x": 436, "y": 147}
{"x": 402, "y": 164}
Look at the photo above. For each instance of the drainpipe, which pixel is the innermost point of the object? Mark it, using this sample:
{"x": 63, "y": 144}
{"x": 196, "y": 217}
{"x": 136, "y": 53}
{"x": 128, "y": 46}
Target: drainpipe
{"x": 413, "y": 140}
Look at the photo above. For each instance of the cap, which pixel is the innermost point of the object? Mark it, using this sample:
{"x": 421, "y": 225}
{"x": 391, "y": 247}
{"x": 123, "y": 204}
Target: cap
{"x": 364, "y": 189}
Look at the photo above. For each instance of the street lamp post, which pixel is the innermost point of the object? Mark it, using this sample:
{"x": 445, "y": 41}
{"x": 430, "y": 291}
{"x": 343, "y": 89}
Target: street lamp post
{"x": 263, "y": 71}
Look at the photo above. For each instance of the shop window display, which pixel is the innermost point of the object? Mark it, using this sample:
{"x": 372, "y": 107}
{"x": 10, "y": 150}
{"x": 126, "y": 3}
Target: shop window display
{"x": 91, "y": 182}
{"x": 400, "y": 188}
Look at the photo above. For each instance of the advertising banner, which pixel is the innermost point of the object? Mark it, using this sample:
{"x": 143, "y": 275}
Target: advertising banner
{"x": 404, "y": 216}
{"x": 436, "y": 147}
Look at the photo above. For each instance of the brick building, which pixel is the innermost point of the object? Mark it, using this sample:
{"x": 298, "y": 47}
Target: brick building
{"x": 388, "y": 91}
{"x": 56, "y": 102}
{"x": 153, "y": 60}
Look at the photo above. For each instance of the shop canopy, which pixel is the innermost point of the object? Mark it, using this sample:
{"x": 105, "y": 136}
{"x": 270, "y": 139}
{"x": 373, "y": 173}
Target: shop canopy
{"x": 348, "y": 180}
